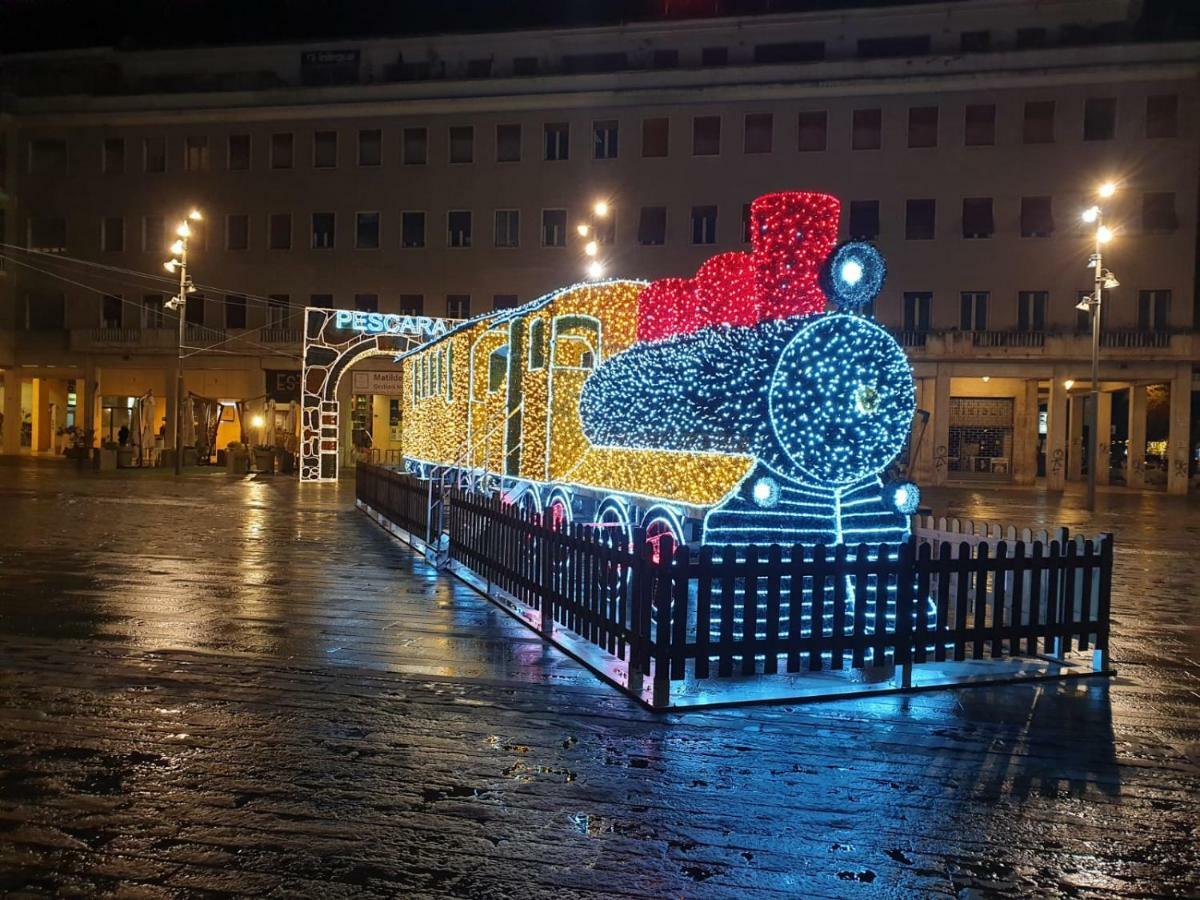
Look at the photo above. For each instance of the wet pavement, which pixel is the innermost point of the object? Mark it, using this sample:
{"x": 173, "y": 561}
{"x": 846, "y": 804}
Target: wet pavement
{"x": 245, "y": 687}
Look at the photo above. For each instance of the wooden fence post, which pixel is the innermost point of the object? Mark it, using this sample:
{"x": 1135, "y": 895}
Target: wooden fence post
{"x": 1101, "y": 661}
{"x": 544, "y": 544}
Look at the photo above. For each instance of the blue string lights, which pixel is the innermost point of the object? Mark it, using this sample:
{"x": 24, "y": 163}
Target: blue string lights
{"x": 853, "y": 275}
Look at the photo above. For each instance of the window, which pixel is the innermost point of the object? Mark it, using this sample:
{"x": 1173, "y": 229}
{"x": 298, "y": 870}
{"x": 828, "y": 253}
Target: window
{"x": 508, "y": 143}
{"x": 462, "y": 144}
{"x": 323, "y": 231}
{"x": 154, "y": 236}
{"x": 113, "y": 162}
{"x": 278, "y": 310}
{"x": 508, "y": 228}
{"x": 891, "y": 47}
{"x": 655, "y": 137}
{"x": 652, "y": 226}
{"x": 1028, "y": 38}
{"x": 525, "y": 65}
{"x": 867, "y": 130}
{"x": 558, "y": 141}
{"x": 1099, "y": 118}
{"x": 112, "y": 235}
{"x": 704, "y": 224}
{"x": 791, "y": 52}
{"x": 746, "y": 223}
{"x": 459, "y": 224}
{"x": 412, "y": 304}
{"x": 714, "y": 56}
{"x": 44, "y": 312}
{"x": 504, "y": 301}
{"x": 664, "y": 59}
{"x": 47, "y": 157}
{"x": 282, "y": 151}
{"x": 280, "y": 231}
{"x": 111, "y": 310}
{"x": 975, "y": 41}
{"x": 48, "y": 234}
{"x": 237, "y": 232}
{"x": 193, "y": 309}
{"x": 321, "y": 301}
{"x": 153, "y": 315}
{"x": 604, "y": 139}
{"x": 977, "y": 221}
{"x": 973, "y": 311}
{"x": 758, "y": 136}
{"x": 919, "y": 220}
{"x": 458, "y": 306}
{"x": 1038, "y": 126}
{"x": 706, "y": 135}
{"x": 370, "y": 147}
{"x": 1162, "y": 116}
{"x": 813, "y": 126}
{"x": 366, "y": 302}
{"x": 238, "y": 152}
{"x": 325, "y": 149}
{"x": 154, "y": 154}
{"x": 235, "y": 311}
{"x": 916, "y": 311}
{"x": 864, "y": 220}
{"x": 980, "y": 125}
{"x": 554, "y": 228}
{"x": 922, "y": 126}
{"x": 582, "y": 63}
{"x": 1158, "y": 212}
{"x": 1031, "y": 310}
{"x": 605, "y": 230}
{"x": 366, "y": 231}
{"x": 412, "y": 230}
{"x": 1037, "y": 217}
{"x": 195, "y": 154}
{"x": 1153, "y": 310}
{"x": 415, "y": 150}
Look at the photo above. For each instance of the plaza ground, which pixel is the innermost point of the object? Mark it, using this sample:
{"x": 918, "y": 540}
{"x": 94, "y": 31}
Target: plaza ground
{"x": 245, "y": 687}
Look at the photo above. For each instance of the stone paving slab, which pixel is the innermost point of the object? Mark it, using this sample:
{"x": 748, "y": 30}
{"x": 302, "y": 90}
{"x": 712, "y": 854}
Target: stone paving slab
{"x": 244, "y": 687}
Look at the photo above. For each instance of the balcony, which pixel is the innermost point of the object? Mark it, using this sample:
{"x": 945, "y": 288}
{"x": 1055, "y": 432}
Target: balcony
{"x": 127, "y": 339}
{"x": 1008, "y": 338}
{"x": 201, "y": 336}
{"x": 1129, "y": 344}
{"x": 279, "y": 334}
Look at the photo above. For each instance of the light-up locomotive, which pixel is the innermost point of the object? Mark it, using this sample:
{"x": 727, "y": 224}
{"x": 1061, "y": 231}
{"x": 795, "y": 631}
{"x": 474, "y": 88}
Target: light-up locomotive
{"x": 728, "y": 408}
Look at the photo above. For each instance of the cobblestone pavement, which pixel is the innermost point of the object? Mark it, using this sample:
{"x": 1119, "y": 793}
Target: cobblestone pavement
{"x": 245, "y": 687}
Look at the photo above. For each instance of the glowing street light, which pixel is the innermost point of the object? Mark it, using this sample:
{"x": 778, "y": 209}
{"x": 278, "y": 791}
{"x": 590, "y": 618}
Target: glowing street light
{"x": 1103, "y": 280}
{"x": 582, "y": 230}
{"x": 1104, "y": 234}
{"x": 1107, "y": 189}
{"x": 177, "y": 264}
{"x": 595, "y": 270}
{"x": 600, "y": 208}
{"x": 592, "y": 248}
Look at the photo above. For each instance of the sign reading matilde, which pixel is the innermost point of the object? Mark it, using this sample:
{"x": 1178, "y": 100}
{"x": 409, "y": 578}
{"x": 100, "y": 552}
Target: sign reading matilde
{"x": 389, "y": 323}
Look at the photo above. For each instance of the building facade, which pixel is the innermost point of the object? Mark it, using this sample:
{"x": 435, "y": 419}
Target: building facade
{"x": 446, "y": 174}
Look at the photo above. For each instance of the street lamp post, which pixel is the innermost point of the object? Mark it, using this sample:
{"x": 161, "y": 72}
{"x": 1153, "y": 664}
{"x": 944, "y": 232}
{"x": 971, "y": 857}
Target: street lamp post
{"x": 178, "y": 264}
{"x": 589, "y": 231}
{"x": 1103, "y": 279}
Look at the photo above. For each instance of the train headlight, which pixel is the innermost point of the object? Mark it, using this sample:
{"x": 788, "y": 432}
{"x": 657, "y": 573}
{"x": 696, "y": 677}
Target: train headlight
{"x": 853, "y": 275}
{"x": 905, "y": 496}
{"x": 766, "y": 492}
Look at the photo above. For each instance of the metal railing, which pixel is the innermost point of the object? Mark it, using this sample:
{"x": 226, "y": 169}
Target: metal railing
{"x": 279, "y": 334}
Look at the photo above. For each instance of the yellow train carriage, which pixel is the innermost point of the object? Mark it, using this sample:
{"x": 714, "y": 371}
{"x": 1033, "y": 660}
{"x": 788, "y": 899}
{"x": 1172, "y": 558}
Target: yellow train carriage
{"x": 500, "y": 395}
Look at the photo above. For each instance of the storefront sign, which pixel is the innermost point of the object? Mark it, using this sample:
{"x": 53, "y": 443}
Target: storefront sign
{"x": 385, "y": 383}
{"x": 390, "y": 323}
{"x": 283, "y": 385}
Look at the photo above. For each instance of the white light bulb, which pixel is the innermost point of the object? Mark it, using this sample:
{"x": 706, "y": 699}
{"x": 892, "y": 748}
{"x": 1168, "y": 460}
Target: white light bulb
{"x": 1104, "y": 234}
{"x": 601, "y": 208}
{"x": 582, "y": 229}
{"x": 1091, "y": 214}
{"x": 592, "y": 248}
{"x": 852, "y": 271}
{"x": 595, "y": 270}
{"x": 1107, "y": 189}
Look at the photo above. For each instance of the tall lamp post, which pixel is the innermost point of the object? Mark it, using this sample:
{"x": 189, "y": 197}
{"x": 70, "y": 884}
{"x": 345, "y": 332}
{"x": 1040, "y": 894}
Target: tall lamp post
{"x": 590, "y": 231}
{"x": 177, "y": 264}
{"x": 1103, "y": 280}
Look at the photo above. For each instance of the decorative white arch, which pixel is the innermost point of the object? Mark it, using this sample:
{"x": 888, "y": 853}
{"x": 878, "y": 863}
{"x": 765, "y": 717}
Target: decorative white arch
{"x": 335, "y": 339}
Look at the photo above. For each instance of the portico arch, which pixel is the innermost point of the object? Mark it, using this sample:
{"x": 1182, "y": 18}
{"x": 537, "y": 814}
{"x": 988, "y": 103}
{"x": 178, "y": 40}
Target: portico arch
{"x": 335, "y": 339}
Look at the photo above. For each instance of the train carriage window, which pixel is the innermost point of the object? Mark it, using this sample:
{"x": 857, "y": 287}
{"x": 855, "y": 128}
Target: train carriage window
{"x": 450, "y": 373}
{"x": 537, "y": 344}
{"x": 576, "y": 342}
{"x": 497, "y": 368}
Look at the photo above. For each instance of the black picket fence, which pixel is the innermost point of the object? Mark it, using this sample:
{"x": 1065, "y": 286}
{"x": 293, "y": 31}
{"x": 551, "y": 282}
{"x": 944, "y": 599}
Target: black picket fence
{"x": 672, "y": 613}
{"x": 401, "y": 499}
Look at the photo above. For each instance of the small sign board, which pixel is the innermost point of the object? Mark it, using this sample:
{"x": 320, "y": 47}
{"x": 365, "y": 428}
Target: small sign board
{"x": 389, "y": 384}
{"x": 283, "y": 385}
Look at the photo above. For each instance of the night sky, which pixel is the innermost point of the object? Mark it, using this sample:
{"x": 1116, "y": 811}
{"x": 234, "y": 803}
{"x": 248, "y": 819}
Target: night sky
{"x": 141, "y": 24}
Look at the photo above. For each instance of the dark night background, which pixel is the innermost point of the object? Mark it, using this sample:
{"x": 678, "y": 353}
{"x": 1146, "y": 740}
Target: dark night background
{"x": 27, "y": 25}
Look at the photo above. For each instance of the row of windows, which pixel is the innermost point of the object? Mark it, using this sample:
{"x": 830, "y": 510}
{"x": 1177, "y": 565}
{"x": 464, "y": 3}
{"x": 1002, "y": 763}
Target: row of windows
{"x": 974, "y": 311}
{"x": 978, "y": 220}
{"x": 49, "y": 155}
{"x": 1153, "y": 311}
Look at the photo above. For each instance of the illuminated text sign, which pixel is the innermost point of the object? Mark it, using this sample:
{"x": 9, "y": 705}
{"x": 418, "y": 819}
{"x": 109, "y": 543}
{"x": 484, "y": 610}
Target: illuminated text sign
{"x": 388, "y": 323}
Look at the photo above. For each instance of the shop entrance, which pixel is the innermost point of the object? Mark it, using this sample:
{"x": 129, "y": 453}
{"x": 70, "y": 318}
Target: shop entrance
{"x": 981, "y": 438}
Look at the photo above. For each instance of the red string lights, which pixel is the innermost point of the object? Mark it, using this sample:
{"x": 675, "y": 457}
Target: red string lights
{"x": 792, "y": 234}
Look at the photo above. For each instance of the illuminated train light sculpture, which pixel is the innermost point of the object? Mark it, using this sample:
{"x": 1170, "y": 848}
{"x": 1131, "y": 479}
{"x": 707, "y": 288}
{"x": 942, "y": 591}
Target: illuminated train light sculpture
{"x": 726, "y": 409}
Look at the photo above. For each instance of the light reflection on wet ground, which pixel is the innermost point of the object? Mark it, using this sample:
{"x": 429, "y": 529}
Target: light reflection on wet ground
{"x": 243, "y": 686}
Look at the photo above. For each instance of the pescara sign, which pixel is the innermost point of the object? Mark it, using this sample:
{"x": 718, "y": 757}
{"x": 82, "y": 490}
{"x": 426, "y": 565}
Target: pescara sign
{"x": 388, "y": 323}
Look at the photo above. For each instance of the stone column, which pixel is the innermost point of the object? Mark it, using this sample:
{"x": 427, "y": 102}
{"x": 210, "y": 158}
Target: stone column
{"x": 1025, "y": 443}
{"x": 921, "y": 463}
{"x": 1179, "y": 435}
{"x": 10, "y": 440}
{"x": 939, "y": 425}
{"x": 1135, "y": 462}
{"x": 1104, "y": 438}
{"x": 42, "y": 431}
{"x": 1076, "y": 450}
{"x": 172, "y": 402}
{"x": 1056, "y": 432}
{"x": 87, "y": 396}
